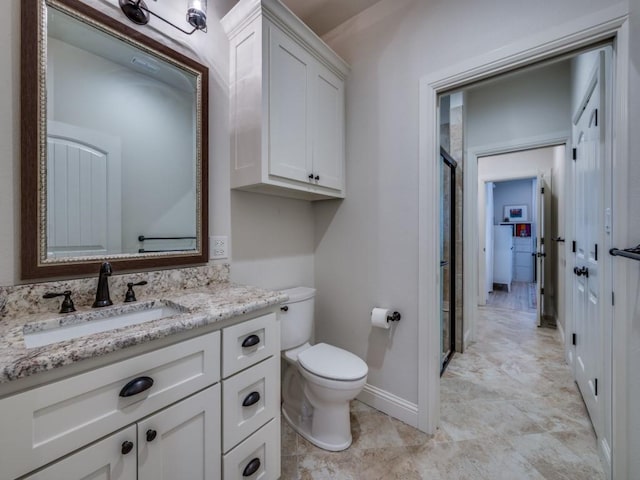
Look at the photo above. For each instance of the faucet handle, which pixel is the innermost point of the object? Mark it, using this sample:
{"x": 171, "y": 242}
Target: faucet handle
{"x": 67, "y": 304}
{"x": 130, "y": 296}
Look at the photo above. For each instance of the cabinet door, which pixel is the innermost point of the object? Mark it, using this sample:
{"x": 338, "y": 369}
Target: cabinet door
{"x": 104, "y": 460}
{"x": 182, "y": 441}
{"x": 289, "y": 109}
{"x": 328, "y": 128}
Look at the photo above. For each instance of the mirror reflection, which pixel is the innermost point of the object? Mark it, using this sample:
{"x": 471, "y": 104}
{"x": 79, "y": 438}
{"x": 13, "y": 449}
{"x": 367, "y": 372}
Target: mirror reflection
{"x": 121, "y": 146}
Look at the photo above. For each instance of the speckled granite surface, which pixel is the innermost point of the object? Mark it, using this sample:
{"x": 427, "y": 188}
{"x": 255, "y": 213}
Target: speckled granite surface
{"x": 27, "y": 299}
{"x": 199, "y": 307}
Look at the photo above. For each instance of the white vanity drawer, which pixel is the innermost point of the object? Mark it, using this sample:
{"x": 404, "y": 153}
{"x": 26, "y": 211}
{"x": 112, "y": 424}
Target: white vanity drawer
{"x": 259, "y": 453}
{"x": 248, "y": 343}
{"x": 249, "y": 400}
{"x": 50, "y": 421}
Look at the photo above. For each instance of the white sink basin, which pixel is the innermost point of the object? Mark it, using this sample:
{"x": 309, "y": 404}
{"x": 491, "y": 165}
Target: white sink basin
{"x": 88, "y": 323}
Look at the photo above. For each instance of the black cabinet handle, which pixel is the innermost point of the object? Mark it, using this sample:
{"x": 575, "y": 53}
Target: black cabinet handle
{"x": 311, "y": 176}
{"x": 251, "y": 468}
{"x": 285, "y": 308}
{"x": 126, "y": 447}
{"x": 136, "y": 386}
{"x": 151, "y": 435}
{"x": 317, "y": 177}
{"x": 251, "y": 341}
{"x": 251, "y": 399}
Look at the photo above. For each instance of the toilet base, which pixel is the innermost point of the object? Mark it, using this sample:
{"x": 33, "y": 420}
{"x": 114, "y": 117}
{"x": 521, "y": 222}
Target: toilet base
{"x": 303, "y": 427}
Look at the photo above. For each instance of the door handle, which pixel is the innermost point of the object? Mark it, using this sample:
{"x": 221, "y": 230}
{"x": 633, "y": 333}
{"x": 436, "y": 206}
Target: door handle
{"x": 581, "y": 271}
{"x": 541, "y": 254}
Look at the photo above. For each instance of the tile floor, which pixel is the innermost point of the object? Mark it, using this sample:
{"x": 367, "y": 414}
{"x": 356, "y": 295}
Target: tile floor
{"x": 510, "y": 410}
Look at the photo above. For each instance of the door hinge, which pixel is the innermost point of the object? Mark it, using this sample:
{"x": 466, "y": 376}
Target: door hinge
{"x": 596, "y": 386}
{"x": 541, "y": 240}
{"x": 573, "y": 246}
{"x": 596, "y": 117}
{"x": 575, "y": 153}
{"x": 542, "y": 291}
{"x": 596, "y": 252}
{"x": 613, "y": 298}
{"x": 573, "y": 338}
{"x": 542, "y": 190}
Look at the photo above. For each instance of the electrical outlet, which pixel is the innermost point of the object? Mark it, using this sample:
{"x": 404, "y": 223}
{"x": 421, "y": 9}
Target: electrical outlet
{"x": 218, "y": 247}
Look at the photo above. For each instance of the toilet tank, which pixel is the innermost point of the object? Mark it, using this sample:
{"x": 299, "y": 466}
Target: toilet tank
{"x": 296, "y": 317}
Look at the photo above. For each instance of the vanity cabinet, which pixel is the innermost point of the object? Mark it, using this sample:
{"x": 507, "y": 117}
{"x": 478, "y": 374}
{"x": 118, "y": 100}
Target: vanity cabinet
{"x": 287, "y": 105}
{"x": 164, "y": 414}
{"x": 174, "y": 443}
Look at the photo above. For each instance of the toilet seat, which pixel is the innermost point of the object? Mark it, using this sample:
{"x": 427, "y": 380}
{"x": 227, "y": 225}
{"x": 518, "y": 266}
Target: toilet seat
{"x": 332, "y": 363}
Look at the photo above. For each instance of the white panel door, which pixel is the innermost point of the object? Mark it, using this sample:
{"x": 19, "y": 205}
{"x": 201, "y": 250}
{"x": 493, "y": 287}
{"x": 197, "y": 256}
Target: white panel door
{"x": 289, "y": 109}
{"x": 328, "y": 128}
{"x": 84, "y": 214}
{"x": 588, "y": 204}
{"x": 113, "y": 458}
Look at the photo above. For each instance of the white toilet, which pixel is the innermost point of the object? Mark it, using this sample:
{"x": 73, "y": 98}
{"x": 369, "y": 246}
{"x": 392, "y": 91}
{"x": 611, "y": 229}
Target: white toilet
{"x": 320, "y": 380}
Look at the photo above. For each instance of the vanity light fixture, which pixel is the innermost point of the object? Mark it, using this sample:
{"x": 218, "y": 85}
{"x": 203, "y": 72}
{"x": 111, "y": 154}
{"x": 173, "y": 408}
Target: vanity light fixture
{"x": 137, "y": 12}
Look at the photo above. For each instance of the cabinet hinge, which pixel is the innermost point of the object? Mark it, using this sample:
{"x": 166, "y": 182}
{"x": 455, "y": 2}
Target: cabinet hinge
{"x": 573, "y": 246}
{"x": 575, "y": 153}
{"x": 595, "y": 253}
{"x": 596, "y": 117}
{"x": 573, "y": 338}
{"x": 595, "y": 384}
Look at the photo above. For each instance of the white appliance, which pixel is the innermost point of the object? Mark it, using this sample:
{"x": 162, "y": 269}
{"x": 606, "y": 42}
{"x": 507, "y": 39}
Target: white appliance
{"x": 320, "y": 380}
{"x": 503, "y": 255}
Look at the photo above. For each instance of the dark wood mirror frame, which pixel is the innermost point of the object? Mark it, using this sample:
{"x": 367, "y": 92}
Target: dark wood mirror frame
{"x": 32, "y": 150}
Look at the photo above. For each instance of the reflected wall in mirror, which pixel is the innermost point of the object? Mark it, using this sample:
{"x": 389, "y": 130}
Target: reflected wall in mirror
{"x": 114, "y": 129}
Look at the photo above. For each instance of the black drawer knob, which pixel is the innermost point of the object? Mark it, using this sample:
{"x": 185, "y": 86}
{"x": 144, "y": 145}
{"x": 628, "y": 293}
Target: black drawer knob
{"x": 285, "y": 308}
{"x": 136, "y": 386}
{"x": 311, "y": 176}
{"x": 251, "y": 341}
{"x": 151, "y": 435}
{"x": 251, "y": 399}
{"x": 251, "y": 468}
{"x": 317, "y": 177}
{"x": 127, "y": 447}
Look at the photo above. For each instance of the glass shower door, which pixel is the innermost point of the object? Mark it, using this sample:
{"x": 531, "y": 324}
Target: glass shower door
{"x": 447, "y": 256}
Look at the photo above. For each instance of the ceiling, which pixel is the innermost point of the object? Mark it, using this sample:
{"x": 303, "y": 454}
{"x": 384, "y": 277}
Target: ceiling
{"x": 321, "y": 16}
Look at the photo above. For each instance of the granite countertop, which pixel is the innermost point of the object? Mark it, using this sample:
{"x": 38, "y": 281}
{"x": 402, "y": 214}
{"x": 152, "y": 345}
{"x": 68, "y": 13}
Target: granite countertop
{"x": 198, "y": 307}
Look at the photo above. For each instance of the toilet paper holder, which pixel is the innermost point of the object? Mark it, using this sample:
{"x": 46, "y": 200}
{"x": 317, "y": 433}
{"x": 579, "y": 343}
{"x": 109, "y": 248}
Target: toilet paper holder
{"x": 394, "y": 317}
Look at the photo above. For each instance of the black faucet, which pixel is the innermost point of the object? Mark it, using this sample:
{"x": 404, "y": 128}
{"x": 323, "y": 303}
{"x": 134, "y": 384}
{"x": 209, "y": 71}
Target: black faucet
{"x": 102, "y": 293}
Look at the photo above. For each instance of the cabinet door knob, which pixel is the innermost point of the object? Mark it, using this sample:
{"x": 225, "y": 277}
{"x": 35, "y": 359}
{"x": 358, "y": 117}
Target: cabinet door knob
{"x": 136, "y": 386}
{"x": 311, "y": 176}
{"x": 251, "y": 468}
{"x": 151, "y": 435}
{"x": 251, "y": 341}
{"x": 317, "y": 177}
{"x": 126, "y": 447}
{"x": 251, "y": 399}
{"x": 285, "y": 308}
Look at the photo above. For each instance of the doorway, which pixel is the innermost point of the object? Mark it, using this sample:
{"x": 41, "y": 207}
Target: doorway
{"x": 552, "y": 136}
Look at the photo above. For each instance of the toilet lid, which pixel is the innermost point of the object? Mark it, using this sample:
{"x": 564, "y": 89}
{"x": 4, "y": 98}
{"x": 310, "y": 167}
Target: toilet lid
{"x": 332, "y": 362}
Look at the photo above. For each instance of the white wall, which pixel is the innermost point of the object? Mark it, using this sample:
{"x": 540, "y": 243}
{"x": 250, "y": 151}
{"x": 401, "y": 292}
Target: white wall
{"x": 512, "y": 192}
{"x": 367, "y": 247}
{"x": 273, "y": 241}
{"x": 525, "y": 105}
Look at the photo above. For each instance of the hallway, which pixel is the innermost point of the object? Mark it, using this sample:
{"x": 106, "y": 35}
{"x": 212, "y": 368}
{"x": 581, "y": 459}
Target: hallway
{"x": 510, "y": 410}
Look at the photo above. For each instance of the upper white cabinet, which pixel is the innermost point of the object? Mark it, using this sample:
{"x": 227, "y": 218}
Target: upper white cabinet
{"x": 287, "y": 105}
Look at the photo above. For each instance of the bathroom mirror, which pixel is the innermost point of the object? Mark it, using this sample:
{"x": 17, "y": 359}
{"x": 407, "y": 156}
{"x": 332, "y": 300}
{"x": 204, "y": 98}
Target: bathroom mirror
{"x": 114, "y": 146}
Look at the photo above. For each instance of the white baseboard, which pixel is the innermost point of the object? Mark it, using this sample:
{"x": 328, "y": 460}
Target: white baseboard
{"x": 390, "y": 404}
